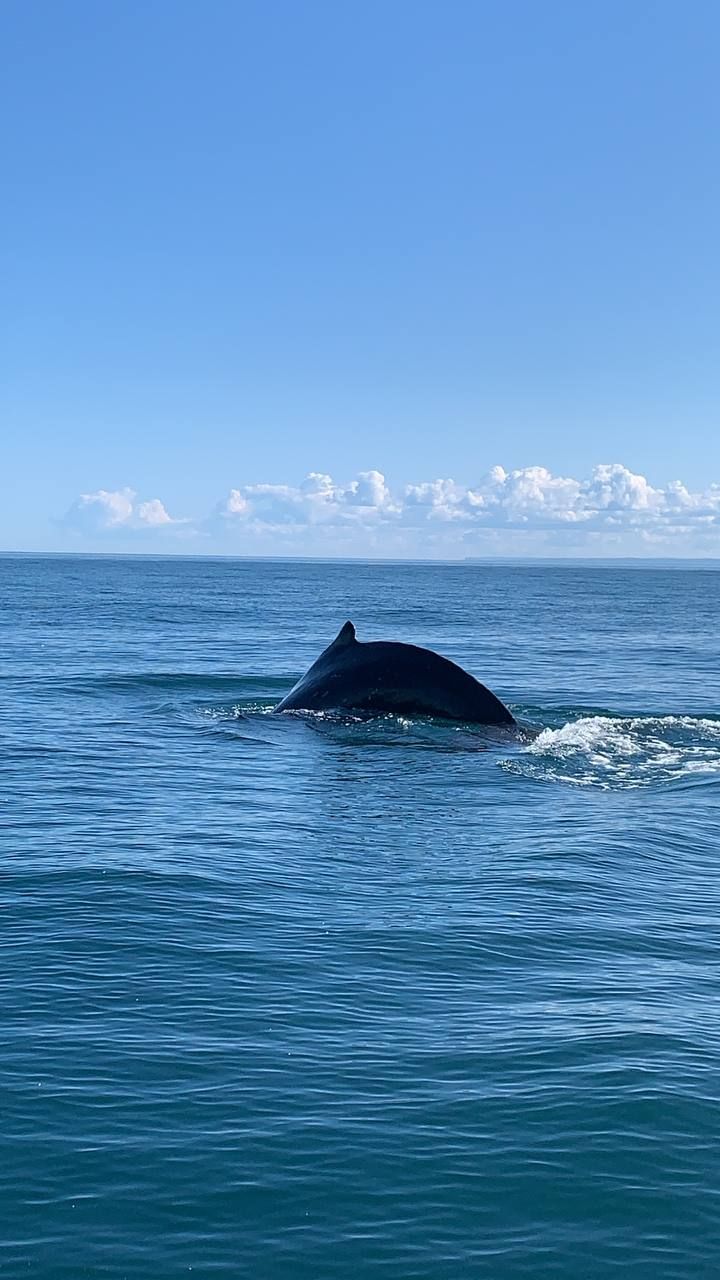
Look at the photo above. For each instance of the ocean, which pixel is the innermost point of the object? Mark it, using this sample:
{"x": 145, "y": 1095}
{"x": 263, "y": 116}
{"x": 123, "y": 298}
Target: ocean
{"x": 303, "y": 996}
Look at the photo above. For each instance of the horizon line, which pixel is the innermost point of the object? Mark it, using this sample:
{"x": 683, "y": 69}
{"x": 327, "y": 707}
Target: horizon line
{"x": 309, "y": 559}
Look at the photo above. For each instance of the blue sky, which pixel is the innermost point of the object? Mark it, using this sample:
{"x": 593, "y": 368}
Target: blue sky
{"x": 246, "y": 243}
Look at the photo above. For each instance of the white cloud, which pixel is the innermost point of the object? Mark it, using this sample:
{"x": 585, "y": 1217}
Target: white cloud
{"x": 614, "y": 508}
{"x": 526, "y": 511}
{"x": 369, "y": 490}
{"x": 235, "y": 505}
{"x": 615, "y": 488}
{"x": 112, "y": 510}
{"x": 153, "y": 513}
{"x": 105, "y": 508}
{"x": 317, "y": 501}
{"x": 527, "y": 495}
{"x": 437, "y": 500}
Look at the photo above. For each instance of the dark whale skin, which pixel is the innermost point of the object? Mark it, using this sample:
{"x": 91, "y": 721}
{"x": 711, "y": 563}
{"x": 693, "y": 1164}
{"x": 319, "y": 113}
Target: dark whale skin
{"x": 382, "y": 676}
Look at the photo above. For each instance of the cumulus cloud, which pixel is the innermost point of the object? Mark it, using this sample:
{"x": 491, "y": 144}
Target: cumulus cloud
{"x": 523, "y": 511}
{"x": 153, "y": 513}
{"x": 108, "y": 510}
{"x": 317, "y": 501}
{"x": 435, "y": 500}
{"x": 612, "y": 503}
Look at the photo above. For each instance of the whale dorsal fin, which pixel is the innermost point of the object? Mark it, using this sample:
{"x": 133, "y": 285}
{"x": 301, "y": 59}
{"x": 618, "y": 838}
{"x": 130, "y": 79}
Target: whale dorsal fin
{"x": 345, "y": 635}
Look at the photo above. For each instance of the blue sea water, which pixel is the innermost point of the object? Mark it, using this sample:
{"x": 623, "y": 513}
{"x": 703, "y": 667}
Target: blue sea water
{"x": 297, "y": 996}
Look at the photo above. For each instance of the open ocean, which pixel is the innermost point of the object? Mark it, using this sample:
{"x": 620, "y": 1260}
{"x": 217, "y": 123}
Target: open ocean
{"x": 298, "y": 997}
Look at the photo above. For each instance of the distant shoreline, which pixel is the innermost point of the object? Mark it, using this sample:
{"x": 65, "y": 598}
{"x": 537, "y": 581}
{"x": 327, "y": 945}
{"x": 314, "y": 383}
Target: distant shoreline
{"x": 558, "y": 562}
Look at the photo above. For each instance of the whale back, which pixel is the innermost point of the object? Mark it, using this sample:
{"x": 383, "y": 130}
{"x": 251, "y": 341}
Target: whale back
{"x": 382, "y": 675}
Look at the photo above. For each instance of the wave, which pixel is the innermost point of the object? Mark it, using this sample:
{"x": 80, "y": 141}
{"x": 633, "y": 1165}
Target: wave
{"x": 179, "y": 682}
{"x": 622, "y": 752}
{"x": 349, "y": 729}
{"x": 596, "y": 750}
{"x": 589, "y": 747}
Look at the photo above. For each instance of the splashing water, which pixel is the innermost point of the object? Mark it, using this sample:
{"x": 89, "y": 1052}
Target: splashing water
{"x": 609, "y": 751}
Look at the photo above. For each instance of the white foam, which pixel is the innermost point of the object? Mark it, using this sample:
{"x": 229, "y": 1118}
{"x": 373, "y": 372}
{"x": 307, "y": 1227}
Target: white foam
{"x": 595, "y": 735}
{"x": 609, "y": 751}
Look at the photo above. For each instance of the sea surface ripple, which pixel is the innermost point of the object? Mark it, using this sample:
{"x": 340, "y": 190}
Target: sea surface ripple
{"x": 306, "y": 996}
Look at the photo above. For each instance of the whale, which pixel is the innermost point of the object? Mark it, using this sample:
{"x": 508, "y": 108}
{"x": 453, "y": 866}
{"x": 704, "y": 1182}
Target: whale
{"x": 381, "y": 676}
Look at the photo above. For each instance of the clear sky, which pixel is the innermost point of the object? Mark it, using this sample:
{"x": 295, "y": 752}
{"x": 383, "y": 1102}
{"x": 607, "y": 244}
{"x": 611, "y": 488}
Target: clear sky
{"x": 389, "y": 243}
